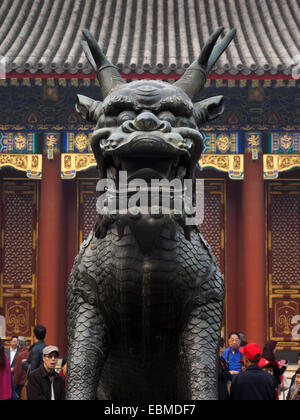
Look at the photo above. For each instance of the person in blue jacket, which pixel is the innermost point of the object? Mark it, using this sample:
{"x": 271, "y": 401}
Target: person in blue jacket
{"x": 232, "y": 354}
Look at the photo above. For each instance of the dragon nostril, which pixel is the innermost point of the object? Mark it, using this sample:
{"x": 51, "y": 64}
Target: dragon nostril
{"x": 128, "y": 126}
{"x": 165, "y": 127}
{"x": 146, "y": 121}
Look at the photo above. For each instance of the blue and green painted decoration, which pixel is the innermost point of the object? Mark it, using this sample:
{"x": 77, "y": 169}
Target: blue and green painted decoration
{"x": 18, "y": 142}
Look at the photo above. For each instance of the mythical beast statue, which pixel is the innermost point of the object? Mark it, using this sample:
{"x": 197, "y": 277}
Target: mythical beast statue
{"x": 145, "y": 295}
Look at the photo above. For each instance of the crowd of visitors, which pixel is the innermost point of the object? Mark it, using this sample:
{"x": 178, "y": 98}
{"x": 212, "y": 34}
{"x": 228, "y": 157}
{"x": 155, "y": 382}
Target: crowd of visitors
{"x": 245, "y": 372}
{"x": 248, "y": 373}
{"x": 30, "y": 374}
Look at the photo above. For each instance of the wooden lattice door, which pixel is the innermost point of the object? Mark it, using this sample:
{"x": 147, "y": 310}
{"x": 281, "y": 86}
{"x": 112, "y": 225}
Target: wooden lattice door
{"x": 283, "y": 248}
{"x": 19, "y": 235}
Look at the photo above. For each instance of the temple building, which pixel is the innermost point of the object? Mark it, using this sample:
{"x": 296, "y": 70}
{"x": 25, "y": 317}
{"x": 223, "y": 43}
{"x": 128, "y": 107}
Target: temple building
{"x": 250, "y": 164}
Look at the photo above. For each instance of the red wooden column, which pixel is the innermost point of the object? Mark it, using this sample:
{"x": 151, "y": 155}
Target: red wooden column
{"x": 234, "y": 255}
{"x": 254, "y": 290}
{"x": 70, "y": 250}
{"x": 50, "y": 249}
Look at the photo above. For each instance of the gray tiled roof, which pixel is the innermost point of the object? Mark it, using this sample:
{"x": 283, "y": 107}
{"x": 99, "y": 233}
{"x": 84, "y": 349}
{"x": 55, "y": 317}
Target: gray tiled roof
{"x": 148, "y": 35}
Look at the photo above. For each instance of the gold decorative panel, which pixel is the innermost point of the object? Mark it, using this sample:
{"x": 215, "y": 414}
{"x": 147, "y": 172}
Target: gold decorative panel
{"x": 232, "y": 164}
{"x": 71, "y": 163}
{"x": 274, "y": 164}
{"x": 31, "y": 164}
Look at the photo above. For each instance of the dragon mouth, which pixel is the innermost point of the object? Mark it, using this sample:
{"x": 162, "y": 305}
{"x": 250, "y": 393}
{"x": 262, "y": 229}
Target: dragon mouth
{"x": 149, "y": 157}
{"x": 144, "y": 155}
{"x": 147, "y": 167}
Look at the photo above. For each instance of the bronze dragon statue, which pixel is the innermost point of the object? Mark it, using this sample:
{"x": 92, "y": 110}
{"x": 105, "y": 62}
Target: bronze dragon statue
{"x": 145, "y": 295}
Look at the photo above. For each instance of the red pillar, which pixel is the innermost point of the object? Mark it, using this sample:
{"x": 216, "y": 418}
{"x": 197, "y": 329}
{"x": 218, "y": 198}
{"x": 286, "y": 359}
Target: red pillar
{"x": 254, "y": 296}
{"x": 234, "y": 256}
{"x": 70, "y": 194}
{"x": 70, "y": 250}
{"x": 50, "y": 249}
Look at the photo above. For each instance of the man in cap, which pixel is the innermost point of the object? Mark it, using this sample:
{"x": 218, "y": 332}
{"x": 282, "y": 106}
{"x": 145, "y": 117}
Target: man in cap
{"x": 253, "y": 383}
{"x": 44, "y": 383}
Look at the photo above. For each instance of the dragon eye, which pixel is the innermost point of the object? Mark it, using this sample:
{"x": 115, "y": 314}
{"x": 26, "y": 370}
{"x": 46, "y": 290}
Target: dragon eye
{"x": 126, "y": 116}
{"x": 167, "y": 116}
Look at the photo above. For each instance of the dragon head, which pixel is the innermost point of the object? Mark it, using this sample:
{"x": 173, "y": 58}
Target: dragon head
{"x": 149, "y": 128}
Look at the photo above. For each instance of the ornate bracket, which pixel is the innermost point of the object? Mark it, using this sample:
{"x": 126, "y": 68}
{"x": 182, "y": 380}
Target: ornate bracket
{"x": 71, "y": 163}
{"x": 31, "y": 164}
{"x": 273, "y": 164}
{"x": 232, "y": 164}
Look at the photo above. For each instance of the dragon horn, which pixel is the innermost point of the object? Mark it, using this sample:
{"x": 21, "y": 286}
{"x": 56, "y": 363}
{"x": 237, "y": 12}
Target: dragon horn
{"x": 195, "y": 76}
{"x": 220, "y": 48}
{"x": 208, "y": 47}
{"x": 107, "y": 74}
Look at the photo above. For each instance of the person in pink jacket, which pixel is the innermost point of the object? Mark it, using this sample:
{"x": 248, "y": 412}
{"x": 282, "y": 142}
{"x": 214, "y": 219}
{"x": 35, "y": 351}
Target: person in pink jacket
{"x": 5, "y": 375}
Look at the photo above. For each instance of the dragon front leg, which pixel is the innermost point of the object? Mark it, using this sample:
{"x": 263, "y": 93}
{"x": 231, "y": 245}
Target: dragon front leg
{"x": 88, "y": 339}
{"x": 200, "y": 340}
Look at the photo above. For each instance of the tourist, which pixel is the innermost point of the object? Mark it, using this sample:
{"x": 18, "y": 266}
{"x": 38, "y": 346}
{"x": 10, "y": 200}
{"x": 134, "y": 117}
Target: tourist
{"x": 35, "y": 358}
{"x": 44, "y": 383}
{"x": 253, "y": 383}
{"x": 293, "y": 385}
{"x": 278, "y": 370}
{"x": 5, "y": 375}
{"x": 295, "y": 395}
{"x": 19, "y": 373}
{"x": 266, "y": 365}
{"x": 232, "y": 354}
{"x": 12, "y": 352}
